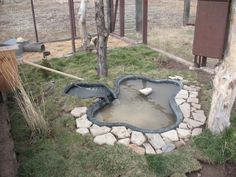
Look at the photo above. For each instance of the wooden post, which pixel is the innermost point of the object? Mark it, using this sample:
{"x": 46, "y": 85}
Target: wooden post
{"x": 109, "y": 15}
{"x": 114, "y": 16}
{"x": 103, "y": 34}
{"x": 225, "y": 82}
{"x": 145, "y": 21}
{"x": 34, "y": 20}
{"x": 186, "y": 13}
{"x": 72, "y": 25}
{"x": 122, "y": 18}
{"x": 139, "y": 15}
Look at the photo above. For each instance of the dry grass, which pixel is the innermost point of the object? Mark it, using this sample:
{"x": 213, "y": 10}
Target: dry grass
{"x": 9, "y": 71}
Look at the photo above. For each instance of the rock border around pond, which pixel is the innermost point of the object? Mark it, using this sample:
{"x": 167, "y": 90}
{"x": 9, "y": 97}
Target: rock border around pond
{"x": 149, "y": 143}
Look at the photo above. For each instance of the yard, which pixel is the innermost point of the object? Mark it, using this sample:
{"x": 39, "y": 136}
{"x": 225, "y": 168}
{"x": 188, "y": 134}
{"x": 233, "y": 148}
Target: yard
{"x": 64, "y": 153}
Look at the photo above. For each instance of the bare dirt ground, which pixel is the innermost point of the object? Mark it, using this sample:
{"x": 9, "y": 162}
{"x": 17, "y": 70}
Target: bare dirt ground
{"x": 166, "y": 30}
{"x": 215, "y": 171}
{"x": 8, "y": 163}
{"x": 64, "y": 48}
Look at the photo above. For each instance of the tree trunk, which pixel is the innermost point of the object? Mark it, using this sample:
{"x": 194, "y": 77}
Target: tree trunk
{"x": 225, "y": 82}
{"x": 109, "y": 15}
{"x": 186, "y": 12}
{"x": 82, "y": 21}
{"x": 103, "y": 34}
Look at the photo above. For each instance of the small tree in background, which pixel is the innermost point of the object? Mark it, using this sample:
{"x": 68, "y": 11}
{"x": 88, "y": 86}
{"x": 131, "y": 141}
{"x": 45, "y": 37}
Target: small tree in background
{"x": 102, "y": 34}
{"x": 82, "y": 21}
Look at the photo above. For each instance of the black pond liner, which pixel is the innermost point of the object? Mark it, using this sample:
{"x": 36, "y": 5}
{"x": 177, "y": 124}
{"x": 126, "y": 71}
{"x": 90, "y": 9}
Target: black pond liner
{"x": 107, "y": 96}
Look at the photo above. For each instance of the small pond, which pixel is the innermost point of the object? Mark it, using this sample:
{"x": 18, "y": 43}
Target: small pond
{"x": 126, "y": 106}
{"x": 146, "y": 112}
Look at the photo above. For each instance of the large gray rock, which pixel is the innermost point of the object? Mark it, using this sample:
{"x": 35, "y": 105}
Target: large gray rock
{"x": 168, "y": 147}
{"x": 95, "y": 131}
{"x": 120, "y": 132}
{"x": 197, "y": 106}
{"x": 82, "y": 131}
{"x": 199, "y": 116}
{"x": 179, "y": 101}
{"x": 83, "y": 122}
{"x": 193, "y": 123}
{"x": 137, "y": 138}
{"x": 193, "y": 94}
{"x": 79, "y": 111}
{"x": 183, "y": 126}
{"x": 155, "y": 140}
{"x": 183, "y": 94}
{"x": 179, "y": 143}
{"x": 149, "y": 149}
{"x": 108, "y": 139}
{"x": 193, "y": 100}
{"x": 139, "y": 150}
{"x": 185, "y": 108}
{"x": 171, "y": 135}
{"x": 125, "y": 141}
{"x": 184, "y": 133}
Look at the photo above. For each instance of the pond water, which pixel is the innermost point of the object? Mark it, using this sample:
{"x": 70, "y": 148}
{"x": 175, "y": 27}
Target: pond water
{"x": 148, "y": 112}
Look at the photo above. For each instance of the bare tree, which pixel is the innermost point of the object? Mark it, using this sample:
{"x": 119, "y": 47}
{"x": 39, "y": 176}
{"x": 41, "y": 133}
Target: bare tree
{"x": 103, "y": 35}
{"x": 225, "y": 82}
{"x": 82, "y": 21}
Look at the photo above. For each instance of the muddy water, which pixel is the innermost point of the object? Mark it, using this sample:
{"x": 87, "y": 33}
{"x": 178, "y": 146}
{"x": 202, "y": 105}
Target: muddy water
{"x": 148, "y": 112}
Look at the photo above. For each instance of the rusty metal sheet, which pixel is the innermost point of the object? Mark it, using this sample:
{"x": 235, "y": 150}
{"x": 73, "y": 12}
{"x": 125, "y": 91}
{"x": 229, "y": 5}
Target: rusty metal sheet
{"x": 210, "y": 28}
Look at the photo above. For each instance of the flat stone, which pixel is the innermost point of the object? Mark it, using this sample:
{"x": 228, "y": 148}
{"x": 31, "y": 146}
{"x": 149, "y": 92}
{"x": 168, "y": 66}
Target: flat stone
{"x": 168, "y": 147}
{"x": 83, "y": 122}
{"x": 185, "y": 108}
{"x": 171, "y": 135}
{"x": 137, "y": 138}
{"x": 139, "y": 150}
{"x": 176, "y": 78}
{"x": 193, "y": 94}
{"x": 79, "y": 111}
{"x": 196, "y": 131}
{"x": 108, "y": 139}
{"x": 146, "y": 91}
{"x": 197, "y": 106}
{"x": 95, "y": 131}
{"x": 183, "y": 94}
{"x": 120, "y": 132}
{"x": 179, "y": 101}
{"x": 183, "y": 133}
{"x": 94, "y": 126}
{"x": 179, "y": 143}
{"x": 193, "y": 123}
{"x": 193, "y": 109}
{"x": 191, "y": 88}
{"x": 183, "y": 126}
{"x": 125, "y": 141}
{"x": 193, "y": 100}
{"x": 82, "y": 131}
{"x": 199, "y": 116}
{"x": 158, "y": 151}
{"x": 149, "y": 149}
{"x": 166, "y": 140}
{"x": 155, "y": 140}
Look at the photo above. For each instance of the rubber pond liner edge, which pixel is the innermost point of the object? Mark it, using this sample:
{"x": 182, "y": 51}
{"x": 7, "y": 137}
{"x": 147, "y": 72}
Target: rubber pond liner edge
{"x": 107, "y": 96}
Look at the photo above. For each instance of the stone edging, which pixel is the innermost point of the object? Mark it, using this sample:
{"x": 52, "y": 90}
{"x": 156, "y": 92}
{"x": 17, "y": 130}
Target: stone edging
{"x": 149, "y": 143}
